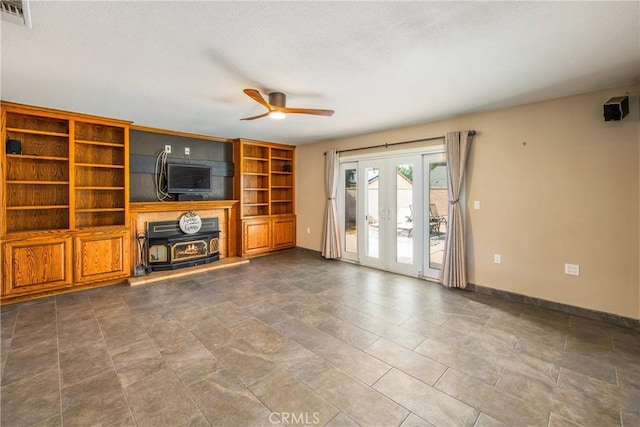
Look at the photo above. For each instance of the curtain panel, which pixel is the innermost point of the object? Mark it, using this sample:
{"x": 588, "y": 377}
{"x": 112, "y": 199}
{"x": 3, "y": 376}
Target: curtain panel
{"x": 331, "y": 248}
{"x": 454, "y": 266}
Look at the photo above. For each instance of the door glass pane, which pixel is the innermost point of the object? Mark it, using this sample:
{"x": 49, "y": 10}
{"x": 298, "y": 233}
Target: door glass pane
{"x": 438, "y": 211}
{"x": 350, "y": 203}
{"x": 404, "y": 214}
{"x": 373, "y": 211}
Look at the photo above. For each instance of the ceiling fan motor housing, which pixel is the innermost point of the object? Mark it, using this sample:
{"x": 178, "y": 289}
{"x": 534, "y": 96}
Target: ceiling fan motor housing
{"x": 278, "y": 99}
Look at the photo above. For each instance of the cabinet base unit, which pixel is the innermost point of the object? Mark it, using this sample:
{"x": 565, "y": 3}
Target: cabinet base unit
{"x": 35, "y": 265}
{"x": 101, "y": 255}
{"x": 283, "y": 232}
{"x": 261, "y": 235}
{"x": 256, "y": 236}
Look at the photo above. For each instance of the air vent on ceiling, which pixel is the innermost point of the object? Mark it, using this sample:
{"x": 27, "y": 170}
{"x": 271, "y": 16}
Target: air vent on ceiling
{"x": 16, "y": 11}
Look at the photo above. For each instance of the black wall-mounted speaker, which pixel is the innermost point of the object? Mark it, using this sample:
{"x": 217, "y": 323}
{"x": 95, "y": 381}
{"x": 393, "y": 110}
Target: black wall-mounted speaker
{"x": 616, "y": 108}
{"x": 14, "y": 146}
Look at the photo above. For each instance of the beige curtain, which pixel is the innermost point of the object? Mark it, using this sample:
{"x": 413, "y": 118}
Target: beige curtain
{"x": 331, "y": 248}
{"x": 454, "y": 266}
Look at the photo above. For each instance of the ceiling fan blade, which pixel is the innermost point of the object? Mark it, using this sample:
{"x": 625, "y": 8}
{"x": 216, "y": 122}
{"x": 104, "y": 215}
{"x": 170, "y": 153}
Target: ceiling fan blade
{"x": 313, "y": 111}
{"x": 256, "y": 117}
{"x": 255, "y": 95}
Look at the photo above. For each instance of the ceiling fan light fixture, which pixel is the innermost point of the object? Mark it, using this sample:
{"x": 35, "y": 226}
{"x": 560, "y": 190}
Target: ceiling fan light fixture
{"x": 276, "y": 107}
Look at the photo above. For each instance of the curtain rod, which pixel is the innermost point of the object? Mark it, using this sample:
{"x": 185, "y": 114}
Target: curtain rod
{"x": 471, "y": 132}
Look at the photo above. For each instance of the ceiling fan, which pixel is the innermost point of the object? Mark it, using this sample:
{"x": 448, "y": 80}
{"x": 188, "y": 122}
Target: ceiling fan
{"x": 277, "y": 106}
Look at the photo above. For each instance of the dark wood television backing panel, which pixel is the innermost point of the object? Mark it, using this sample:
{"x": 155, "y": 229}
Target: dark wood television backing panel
{"x": 146, "y": 145}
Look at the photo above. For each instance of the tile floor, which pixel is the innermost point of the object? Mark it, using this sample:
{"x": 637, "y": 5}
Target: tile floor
{"x": 294, "y": 339}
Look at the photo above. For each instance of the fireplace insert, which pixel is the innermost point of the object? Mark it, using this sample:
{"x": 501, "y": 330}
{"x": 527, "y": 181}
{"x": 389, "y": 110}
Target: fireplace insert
{"x": 170, "y": 248}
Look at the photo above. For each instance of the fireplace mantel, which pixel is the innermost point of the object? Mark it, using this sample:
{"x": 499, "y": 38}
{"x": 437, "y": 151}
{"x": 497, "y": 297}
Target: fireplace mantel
{"x": 135, "y": 207}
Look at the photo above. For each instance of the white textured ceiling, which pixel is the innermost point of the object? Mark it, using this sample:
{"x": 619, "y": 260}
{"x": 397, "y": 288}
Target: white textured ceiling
{"x": 182, "y": 65}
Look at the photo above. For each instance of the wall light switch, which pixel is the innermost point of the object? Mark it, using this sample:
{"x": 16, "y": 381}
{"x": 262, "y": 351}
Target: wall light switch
{"x": 476, "y": 204}
{"x": 497, "y": 259}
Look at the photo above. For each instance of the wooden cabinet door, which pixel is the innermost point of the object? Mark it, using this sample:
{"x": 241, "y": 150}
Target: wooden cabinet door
{"x": 256, "y": 236}
{"x": 283, "y": 232}
{"x": 101, "y": 255}
{"x": 35, "y": 265}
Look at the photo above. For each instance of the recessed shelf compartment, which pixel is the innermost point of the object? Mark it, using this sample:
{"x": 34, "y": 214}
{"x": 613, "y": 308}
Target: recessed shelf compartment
{"x": 29, "y": 169}
{"x": 41, "y": 145}
{"x": 92, "y": 132}
{"x": 37, "y": 194}
{"x": 98, "y": 200}
{"x": 98, "y": 177}
{"x": 37, "y": 124}
{"x": 90, "y": 154}
{"x": 20, "y": 220}
{"x": 99, "y": 218}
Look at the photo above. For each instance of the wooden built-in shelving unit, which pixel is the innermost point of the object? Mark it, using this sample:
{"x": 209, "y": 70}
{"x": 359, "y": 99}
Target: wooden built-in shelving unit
{"x": 267, "y": 202}
{"x": 64, "y": 200}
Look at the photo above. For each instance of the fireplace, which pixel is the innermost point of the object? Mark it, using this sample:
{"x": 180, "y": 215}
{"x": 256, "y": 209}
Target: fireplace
{"x": 169, "y": 247}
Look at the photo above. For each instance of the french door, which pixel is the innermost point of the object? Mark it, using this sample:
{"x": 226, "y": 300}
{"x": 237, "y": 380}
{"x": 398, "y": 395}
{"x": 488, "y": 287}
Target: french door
{"x": 386, "y": 208}
{"x": 391, "y": 211}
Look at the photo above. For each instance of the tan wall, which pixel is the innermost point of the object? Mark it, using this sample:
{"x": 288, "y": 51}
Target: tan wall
{"x": 569, "y": 195}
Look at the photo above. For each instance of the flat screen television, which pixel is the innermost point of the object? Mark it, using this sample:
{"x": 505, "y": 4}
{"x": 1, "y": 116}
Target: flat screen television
{"x": 183, "y": 179}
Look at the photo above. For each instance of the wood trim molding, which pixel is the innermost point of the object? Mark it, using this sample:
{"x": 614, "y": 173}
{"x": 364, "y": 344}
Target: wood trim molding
{"x": 137, "y": 207}
{"x": 61, "y": 114}
{"x": 183, "y": 134}
{"x": 265, "y": 143}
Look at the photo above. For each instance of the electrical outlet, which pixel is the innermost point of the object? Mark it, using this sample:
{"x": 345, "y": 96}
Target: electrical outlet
{"x": 572, "y": 269}
{"x": 497, "y": 259}
{"x": 187, "y": 151}
{"x": 308, "y": 230}
{"x": 476, "y": 204}
{"x": 167, "y": 149}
